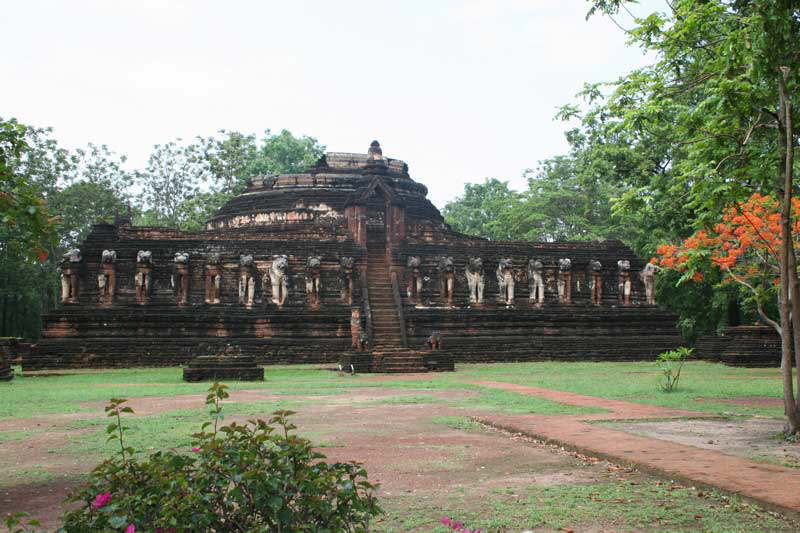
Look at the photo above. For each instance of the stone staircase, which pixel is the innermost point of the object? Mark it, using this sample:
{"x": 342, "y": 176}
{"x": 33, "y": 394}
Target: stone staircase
{"x": 398, "y": 361}
{"x": 385, "y": 320}
{"x": 388, "y": 353}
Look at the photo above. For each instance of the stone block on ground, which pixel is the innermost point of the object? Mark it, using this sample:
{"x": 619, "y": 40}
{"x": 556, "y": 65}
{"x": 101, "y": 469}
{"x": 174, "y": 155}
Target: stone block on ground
{"x": 228, "y": 365}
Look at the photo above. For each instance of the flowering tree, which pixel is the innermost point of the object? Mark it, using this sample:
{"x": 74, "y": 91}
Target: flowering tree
{"x": 746, "y": 246}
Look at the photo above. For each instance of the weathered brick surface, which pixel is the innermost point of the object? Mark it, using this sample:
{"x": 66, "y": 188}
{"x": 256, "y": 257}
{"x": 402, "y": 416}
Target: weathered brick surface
{"x": 223, "y": 367}
{"x": 347, "y": 205}
{"x": 750, "y": 346}
{"x": 6, "y": 354}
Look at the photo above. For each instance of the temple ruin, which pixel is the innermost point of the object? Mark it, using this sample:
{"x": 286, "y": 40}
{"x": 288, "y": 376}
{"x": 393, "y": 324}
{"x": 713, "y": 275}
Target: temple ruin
{"x": 348, "y": 257}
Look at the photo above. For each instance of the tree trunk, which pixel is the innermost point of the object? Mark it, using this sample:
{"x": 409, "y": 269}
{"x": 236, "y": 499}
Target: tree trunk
{"x": 790, "y": 295}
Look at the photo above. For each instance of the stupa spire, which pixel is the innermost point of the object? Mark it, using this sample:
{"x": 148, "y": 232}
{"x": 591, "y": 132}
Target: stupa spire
{"x": 375, "y": 153}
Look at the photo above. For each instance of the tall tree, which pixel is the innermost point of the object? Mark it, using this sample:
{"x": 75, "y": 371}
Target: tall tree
{"x": 184, "y": 184}
{"x": 23, "y": 209}
{"x": 726, "y": 76}
{"x": 485, "y": 210}
{"x": 175, "y": 173}
{"x": 283, "y": 153}
{"x": 27, "y": 232}
{"x": 95, "y": 187}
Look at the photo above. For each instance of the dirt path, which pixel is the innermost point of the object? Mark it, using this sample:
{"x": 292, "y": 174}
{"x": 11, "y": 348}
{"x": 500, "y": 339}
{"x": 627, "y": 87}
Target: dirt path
{"x": 773, "y": 486}
{"x": 406, "y": 447}
{"x": 402, "y": 446}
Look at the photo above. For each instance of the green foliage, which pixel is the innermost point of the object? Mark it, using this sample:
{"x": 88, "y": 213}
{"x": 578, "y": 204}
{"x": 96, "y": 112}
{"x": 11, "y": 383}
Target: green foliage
{"x": 185, "y": 183}
{"x": 81, "y": 204}
{"x": 50, "y": 198}
{"x": 671, "y": 363}
{"x": 252, "y": 477}
{"x": 29, "y": 230}
{"x": 284, "y": 153}
{"x": 20, "y": 522}
{"x": 660, "y": 152}
{"x": 485, "y": 210}
{"x": 565, "y": 203}
{"x": 174, "y": 175}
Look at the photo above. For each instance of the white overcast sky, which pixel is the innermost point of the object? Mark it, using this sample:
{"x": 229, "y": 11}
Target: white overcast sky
{"x": 460, "y": 90}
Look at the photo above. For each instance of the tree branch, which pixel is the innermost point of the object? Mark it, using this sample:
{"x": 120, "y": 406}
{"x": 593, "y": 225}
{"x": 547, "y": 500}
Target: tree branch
{"x": 759, "y": 306}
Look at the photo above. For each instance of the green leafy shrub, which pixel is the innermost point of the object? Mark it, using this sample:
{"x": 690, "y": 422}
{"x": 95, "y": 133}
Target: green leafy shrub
{"x": 252, "y": 477}
{"x": 670, "y": 363}
{"x": 21, "y": 522}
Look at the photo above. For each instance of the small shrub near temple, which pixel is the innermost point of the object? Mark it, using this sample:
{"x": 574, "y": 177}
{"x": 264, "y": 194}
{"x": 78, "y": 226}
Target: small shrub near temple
{"x": 252, "y": 477}
{"x": 670, "y": 363}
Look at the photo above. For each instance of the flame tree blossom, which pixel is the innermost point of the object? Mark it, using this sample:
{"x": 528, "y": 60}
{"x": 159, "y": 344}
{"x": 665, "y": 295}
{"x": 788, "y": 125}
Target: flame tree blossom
{"x": 745, "y": 246}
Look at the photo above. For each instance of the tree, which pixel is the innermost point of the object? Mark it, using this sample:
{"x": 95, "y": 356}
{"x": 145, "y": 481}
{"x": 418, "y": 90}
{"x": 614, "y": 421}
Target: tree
{"x": 726, "y": 77}
{"x": 566, "y": 201}
{"x": 174, "y": 175}
{"x": 230, "y": 160}
{"x": 23, "y": 209}
{"x": 744, "y": 246}
{"x": 82, "y": 204}
{"x": 485, "y": 210}
{"x": 93, "y": 188}
{"x": 284, "y": 154}
{"x": 185, "y": 184}
{"x": 27, "y": 232}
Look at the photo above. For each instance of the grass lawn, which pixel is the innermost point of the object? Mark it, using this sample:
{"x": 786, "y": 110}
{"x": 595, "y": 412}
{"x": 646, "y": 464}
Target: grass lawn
{"x": 59, "y": 418}
{"x": 700, "y": 384}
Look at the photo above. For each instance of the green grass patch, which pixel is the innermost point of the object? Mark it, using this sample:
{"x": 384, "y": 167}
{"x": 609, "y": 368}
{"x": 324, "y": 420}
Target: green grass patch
{"x": 607, "y": 506}
{"x": 15, "y": 435}
{"x": 405, "y": 399}
{"x": 512, "y": 402}
{"x": 457, "y": 422}
{"x": 788, "y": 461}
{"x": 637, "y": 382}
{"x": 169, "y": 430}
{"x": 701, "y": 383}
{"x": 40, "y": 474}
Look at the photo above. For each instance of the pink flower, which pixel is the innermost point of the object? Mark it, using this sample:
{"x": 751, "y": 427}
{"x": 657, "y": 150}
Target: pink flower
{"x": 195, "y": 449}
{"x": 130, "y": 529}
{"x": 456, "y": 525}
{"x": 101, "y": 499}
{"x": 446, "y": 521}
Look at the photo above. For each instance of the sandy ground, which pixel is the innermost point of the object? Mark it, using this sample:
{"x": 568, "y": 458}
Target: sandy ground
{"x": 400, "y": 445}
{"x": 403, "y": 448}
{"x": 753, "y": 438}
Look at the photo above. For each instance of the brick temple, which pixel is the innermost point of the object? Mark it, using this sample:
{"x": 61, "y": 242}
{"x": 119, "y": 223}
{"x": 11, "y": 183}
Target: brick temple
{"x": 349, "y": 255}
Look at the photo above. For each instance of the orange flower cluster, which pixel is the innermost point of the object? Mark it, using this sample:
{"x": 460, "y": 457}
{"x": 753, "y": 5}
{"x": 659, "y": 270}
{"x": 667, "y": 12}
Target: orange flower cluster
{"x": 749, "y": 232}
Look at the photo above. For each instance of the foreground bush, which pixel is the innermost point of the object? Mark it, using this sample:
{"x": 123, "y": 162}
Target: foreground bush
{"x": 252, "y": 477}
